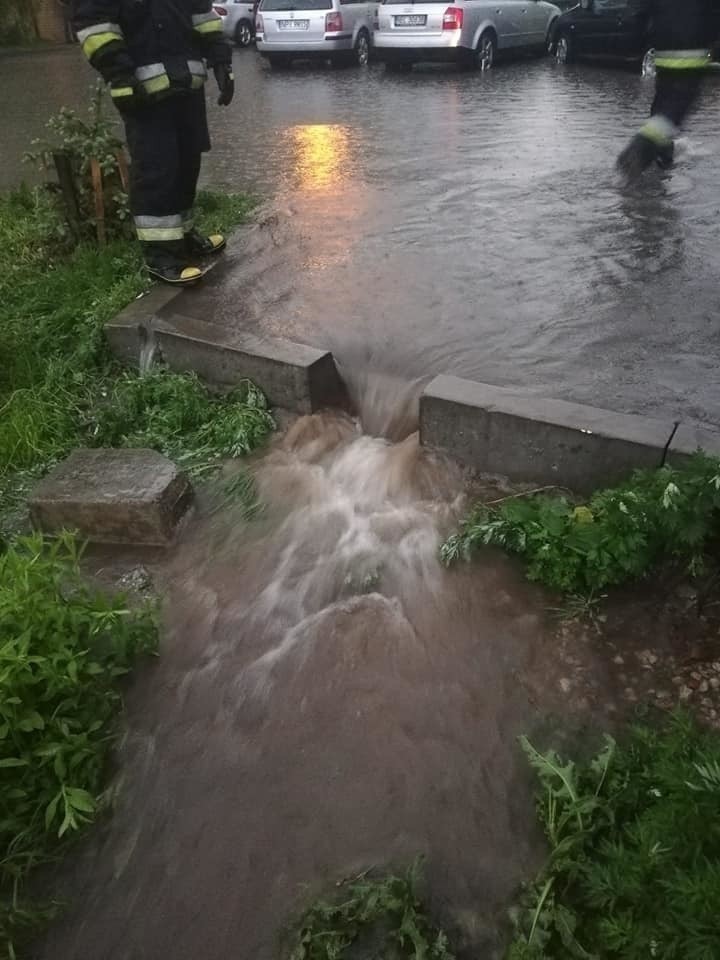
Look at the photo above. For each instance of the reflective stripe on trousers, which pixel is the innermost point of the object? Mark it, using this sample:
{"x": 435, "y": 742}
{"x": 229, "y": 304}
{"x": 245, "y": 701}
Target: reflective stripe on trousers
{"x": 682, "y": 59}
{"x": 159, "y": 229}
{"x": 207, "y": 23}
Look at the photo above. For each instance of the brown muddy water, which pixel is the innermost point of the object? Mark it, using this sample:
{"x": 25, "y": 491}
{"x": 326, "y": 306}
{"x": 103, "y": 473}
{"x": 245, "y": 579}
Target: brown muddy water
{"x": 328, "y": 698}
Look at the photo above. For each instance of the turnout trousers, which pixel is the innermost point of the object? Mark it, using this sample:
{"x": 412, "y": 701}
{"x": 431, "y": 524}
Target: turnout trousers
{"x": 166, "y": 140}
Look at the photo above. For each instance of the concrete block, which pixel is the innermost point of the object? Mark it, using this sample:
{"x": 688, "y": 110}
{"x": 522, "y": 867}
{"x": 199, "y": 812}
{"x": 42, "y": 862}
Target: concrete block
{"x": 128, "y": 332}
{"x": 502, "y": 431}
{"x": 689, "y": 439}
{"x": 292, "y": 375}
{"x": 113, "y": 496}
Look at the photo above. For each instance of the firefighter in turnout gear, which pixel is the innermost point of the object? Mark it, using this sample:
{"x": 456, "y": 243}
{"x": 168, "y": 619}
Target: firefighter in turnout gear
{"x": 154, "y": 56}
{"x": 681, "y": 29}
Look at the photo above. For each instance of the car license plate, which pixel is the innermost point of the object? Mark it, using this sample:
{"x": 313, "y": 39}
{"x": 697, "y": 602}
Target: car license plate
{"x": 293, "y": 24}
{"x": 415, "y": 20}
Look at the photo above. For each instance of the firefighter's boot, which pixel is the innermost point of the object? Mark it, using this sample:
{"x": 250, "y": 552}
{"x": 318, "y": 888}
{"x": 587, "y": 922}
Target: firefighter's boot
{"x": 197, "y": 245}
{"x": 170, "y": 263}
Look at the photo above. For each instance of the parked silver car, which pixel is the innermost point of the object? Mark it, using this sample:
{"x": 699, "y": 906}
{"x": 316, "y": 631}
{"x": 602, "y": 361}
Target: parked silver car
{"x": 338, "y": 30}
{"x": 238, "y": 17}
{"x": 470, "y": 32}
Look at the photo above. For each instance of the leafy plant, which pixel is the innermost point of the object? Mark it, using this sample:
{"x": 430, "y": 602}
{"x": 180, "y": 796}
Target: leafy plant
{"x": 671, "y": 514}
{"x": 17, "y": 22}
{"x": 63, "y": 649}
{"x": 634, "y": 866}
{"x": 385, "y": 917}
{"x": 84, "y": 140}
{"x": 176, "y": 415}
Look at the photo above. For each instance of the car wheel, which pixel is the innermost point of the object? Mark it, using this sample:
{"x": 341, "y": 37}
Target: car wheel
{"x": 278, "y": 61}
{"x": 648, "y": 64}
{"x": 243, "y": 33}
{"x": 361, "y": 53}
{"x": 485, "y": 54}
{"x": 563, "y": 49}
{"x": 550, "y": 38}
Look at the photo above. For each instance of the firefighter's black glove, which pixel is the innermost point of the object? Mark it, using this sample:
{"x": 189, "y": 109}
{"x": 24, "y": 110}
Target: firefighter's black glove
{"x": 226, "y": 83}
{"x": 127, "y": 94}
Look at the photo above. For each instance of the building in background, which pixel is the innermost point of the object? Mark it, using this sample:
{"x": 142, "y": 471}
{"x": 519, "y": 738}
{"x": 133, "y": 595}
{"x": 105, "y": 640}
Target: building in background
{"x": 24, "y": 21}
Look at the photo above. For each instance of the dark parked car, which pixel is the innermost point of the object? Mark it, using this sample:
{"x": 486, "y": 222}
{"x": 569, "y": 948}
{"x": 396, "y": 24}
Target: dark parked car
{"x": 620, "y": 30}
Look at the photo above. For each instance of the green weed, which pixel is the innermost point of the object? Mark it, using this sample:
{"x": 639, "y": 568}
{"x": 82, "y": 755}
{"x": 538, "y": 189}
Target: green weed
{"x": 175, "y": 414}
{"x": 63, "y": 650}
{"x": 634, "y": 867}
{"x": 620, "y": 534}
{"x": 82, "y": 140}
{"x": 383, "y": 918}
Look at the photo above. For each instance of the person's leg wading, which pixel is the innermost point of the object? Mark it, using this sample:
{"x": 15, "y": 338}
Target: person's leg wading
{"x": 156, "y": 201}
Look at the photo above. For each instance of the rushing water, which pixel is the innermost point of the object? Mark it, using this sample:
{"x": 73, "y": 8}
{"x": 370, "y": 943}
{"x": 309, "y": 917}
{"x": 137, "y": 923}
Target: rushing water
{"x": 327, "y": 698}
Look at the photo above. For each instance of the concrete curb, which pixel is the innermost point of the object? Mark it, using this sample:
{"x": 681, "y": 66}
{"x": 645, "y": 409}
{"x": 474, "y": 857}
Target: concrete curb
{"x": 291, "y": 375}
{"x": 502, "y": 431}
{"x": 688, "y": 439}
{"x": 130, "y": 330}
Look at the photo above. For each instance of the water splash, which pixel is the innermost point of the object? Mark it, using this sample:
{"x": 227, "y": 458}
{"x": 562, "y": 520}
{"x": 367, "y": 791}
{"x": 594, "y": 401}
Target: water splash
{"x": 148, "y": 350}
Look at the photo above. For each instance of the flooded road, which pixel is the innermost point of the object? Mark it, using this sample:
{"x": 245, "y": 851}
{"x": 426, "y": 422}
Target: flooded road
{"x": 468, "y": 224}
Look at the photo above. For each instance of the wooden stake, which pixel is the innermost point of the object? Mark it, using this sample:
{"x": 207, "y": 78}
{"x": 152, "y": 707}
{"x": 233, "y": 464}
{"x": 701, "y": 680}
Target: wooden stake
{"x": 63, "y": 168}
{"x": 99, "y": 201}
{"x": 123, "y": 171}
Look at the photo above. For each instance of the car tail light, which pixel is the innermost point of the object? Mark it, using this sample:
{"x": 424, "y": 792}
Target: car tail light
{"x": 259, "y": 25}
{"x": 333, "y": 22}
{"x": 220, "y": 11}
{"x": 453, "y": 18}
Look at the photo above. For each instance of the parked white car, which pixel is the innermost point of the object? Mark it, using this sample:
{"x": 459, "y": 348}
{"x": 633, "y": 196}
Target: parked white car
{"x": 469, "y": 32}
{"x": 238, "y": 17}
{"x": 336, "y": 30}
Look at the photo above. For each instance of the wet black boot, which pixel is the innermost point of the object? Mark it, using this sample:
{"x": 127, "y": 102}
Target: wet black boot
{"x": 171, "y": 263}
{"x": 665, "y": 156}
{"x": 199, "y": 246}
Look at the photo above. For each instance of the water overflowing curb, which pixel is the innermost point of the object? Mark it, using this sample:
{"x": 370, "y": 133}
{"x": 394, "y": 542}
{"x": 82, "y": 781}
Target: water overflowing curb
{"x": 491, "y": 429}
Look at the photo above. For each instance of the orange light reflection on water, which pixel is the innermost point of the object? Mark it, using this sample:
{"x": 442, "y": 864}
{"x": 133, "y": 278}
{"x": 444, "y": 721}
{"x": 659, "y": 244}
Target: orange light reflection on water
{"x": 322, "y": 155}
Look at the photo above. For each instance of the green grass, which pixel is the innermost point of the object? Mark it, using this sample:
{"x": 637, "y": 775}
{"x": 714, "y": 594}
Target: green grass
{"x": 63, "y": 650}
{"x": 634, "y": 867}
{"x": 59, "y": 387}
